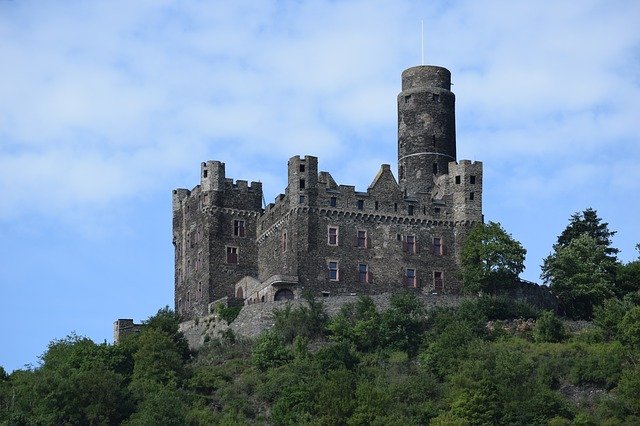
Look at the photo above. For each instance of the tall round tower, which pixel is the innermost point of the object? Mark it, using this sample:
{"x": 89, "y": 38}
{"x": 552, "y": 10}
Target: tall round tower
{"x": 426, "y": 127}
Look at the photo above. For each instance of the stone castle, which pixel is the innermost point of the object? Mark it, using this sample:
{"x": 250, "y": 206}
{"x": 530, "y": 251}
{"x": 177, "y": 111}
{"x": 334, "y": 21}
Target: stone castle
{"x": 328, "y": 238}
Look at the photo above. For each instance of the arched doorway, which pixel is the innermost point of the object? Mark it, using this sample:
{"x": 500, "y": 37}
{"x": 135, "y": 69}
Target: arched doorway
{"x": 283, "y": 294}
{"x": 239, "y": 293}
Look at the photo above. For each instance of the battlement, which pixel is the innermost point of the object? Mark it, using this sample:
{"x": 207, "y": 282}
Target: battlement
{"x": 331, "y": 238}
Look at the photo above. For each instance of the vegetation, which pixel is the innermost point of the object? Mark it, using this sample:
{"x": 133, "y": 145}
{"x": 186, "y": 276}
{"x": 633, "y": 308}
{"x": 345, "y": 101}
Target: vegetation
{"x": 583, "y": 271}
{"x": 398, "y": 366}
{"x": 491, "y": 259}
{"x": 485, "y": 362}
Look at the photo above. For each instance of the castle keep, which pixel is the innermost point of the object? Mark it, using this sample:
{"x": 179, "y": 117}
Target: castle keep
{"x": 329, "y": 238}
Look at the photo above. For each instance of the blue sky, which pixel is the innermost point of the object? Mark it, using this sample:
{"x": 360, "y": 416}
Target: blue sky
{"x": 105, "y": 107}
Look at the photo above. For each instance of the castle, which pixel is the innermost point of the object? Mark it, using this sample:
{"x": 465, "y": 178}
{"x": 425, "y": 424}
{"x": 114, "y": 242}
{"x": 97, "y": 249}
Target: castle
{"x": 329, "y": 238}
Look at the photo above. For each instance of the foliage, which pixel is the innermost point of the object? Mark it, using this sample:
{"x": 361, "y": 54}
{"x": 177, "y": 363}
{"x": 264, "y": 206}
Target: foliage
{"x": 399, "y": 366}
{"x": 403, "y": 324}
{"x": 629, "y": 329}
{"x": 228, "y": 313}
{"x": 628, "y": 278}
{"x": 549, "y": 328}
{"x": 579, "y": 274}
{"x": 609, "y": 315}
{"x": 491, "y": 259}
{"x": 587, "y": 222}
{"x": 307, "y": 321}
{"x": 270, "y": 351}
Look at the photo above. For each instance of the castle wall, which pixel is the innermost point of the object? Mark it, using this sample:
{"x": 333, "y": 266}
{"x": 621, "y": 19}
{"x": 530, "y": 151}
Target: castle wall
{"x": 330, "y": 238}
{"x": 214, "y": 235}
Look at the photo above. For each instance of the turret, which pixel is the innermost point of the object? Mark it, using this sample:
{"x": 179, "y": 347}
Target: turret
{"x": 465, "y": 179}
{"x": 212, "y": 176}
{"x": 426, "y": 128}
{"x": 302, "y": 179}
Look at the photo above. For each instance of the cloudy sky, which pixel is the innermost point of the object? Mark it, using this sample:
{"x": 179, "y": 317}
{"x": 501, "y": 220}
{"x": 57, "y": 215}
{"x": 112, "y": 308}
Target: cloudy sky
{"x": 106, "y": 106}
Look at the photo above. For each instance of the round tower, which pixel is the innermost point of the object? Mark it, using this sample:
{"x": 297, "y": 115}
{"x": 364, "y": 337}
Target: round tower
{"x": 426, "y": 127}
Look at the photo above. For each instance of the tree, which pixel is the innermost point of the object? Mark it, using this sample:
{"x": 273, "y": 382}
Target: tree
{"x": 491, "y": 259}
{"x": 588, "y": 222}
{"x": 628, "y": 276}
{"x": 579, "y": 275}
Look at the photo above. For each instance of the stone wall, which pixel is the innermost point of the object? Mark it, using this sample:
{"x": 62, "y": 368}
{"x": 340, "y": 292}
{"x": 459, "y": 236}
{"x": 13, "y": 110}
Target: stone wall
{"x": 254, "y": 319}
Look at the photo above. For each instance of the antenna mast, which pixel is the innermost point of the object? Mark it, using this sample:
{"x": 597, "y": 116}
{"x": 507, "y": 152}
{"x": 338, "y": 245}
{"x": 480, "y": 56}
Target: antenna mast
{"x": 422, "y": 39}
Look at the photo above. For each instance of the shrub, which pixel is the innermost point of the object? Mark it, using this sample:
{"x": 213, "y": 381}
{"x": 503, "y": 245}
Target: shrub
{"x": 270, "y": 351}
{"x": 549, "y": 328}
{"x": 228, "y": 313}
{"x": 629, "y": 330}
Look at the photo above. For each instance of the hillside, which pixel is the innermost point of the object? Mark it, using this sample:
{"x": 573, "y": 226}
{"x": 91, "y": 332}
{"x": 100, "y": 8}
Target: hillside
{"x": 473, "y": 364}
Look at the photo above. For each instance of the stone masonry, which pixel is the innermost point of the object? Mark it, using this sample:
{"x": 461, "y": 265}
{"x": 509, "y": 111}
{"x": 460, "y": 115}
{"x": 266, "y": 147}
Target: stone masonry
{"x": 328, "y": 238}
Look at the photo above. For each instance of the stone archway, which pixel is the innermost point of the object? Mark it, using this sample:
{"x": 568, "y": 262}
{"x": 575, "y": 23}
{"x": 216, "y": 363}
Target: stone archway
{"x": 283, "y": 294}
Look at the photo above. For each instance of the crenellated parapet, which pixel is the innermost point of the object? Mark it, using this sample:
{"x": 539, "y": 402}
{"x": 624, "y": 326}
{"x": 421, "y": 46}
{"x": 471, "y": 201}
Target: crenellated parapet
{"x": 402, "y": 231}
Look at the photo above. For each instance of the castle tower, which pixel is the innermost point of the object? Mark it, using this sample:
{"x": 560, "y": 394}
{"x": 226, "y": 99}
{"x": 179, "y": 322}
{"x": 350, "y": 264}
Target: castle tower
{"x": 302, "y": 180}
{"x": 426, "y": 127}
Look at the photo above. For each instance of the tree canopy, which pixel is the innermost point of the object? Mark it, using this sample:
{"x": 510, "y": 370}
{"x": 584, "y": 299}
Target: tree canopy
{"x": 491, "y": 259}
{"x": 588, "y": 222}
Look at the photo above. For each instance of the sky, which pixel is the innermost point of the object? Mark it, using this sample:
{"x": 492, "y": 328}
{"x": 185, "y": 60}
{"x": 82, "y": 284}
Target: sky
{"x": 107, "y": 106}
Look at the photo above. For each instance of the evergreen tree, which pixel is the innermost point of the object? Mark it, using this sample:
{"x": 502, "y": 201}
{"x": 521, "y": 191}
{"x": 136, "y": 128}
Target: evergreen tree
{"x": 588, "y": 222}
{"x": 579, "y": 275}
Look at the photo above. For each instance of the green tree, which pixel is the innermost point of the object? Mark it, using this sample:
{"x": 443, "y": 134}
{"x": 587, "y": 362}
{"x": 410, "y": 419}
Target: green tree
{"x": 628, "y": 278}
{"x": 491, "y": 259}
{"x": 157, "y": 362}
{"x": 579, "y": 275}
{"x": 588, "y": 222}
{"x": 404, "y": 323}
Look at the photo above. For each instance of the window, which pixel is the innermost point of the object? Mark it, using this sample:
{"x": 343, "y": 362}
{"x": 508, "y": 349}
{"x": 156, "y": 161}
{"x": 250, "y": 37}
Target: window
{"x": 232, "y": 255}
{"x": 410, "y": 244}
{"x": 410, "y": 277}
{"x": 435, "y": 168}
{"x": 472, "y": 180}
{"x": 438, "y": 282}
{"x": 332, "y": 271}
{"x": 302, "y": 199}
{"x": 284, "y": 241}
{"x": 457, "y": 180}
{"x": 363, "y": 273}
{"x": 436, "y": 97}
{"x": 410, "y": 210}
{"x": 401, "y": 172}
{"x": 332, "y": 236}
{"x": 360, "y": 204}
{"x": 204, "y": 173}
{"x": 302, "y": 183}
{"x": 333, "y": 202}
{"x": 399, "y": 237}
{"x": 437, "y": 246}
{"x": 407, "y": 99}
{"x": 238, "y": 228}
{"x": 301, "y": 168}
{"x": 471, "y": 196}
{"x": 395, "y": 207}
{"x": 436, "y": 211}
{"x": 376, "y": 205}
{"x": 361, "y": 239}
